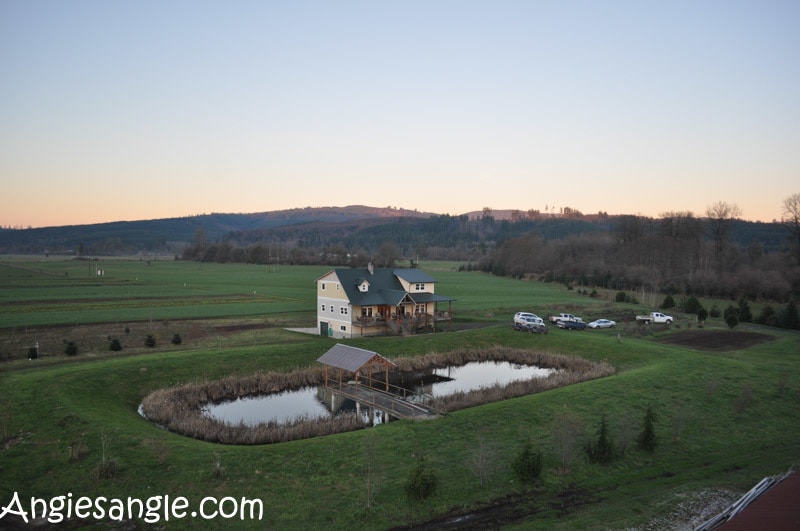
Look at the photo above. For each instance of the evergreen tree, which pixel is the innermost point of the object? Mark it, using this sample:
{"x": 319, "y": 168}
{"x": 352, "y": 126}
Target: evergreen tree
{"x": 745, "y": 315}
{"x": 527, "y": 466}
{"x": 789, "y": 317}
{"x": 601, "y": 450}
{"x": 647, "y": 438}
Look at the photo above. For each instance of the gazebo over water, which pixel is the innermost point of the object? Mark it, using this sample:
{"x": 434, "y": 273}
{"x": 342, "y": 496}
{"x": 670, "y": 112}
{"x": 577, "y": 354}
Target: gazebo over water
{"x": 354, "y": 360}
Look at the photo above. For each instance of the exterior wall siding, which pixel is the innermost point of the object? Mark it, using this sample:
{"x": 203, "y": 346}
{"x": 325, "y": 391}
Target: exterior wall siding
{"x": 337, "y": 312}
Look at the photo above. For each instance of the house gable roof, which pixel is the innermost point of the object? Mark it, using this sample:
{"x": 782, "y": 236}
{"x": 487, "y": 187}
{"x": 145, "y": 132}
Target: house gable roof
{"x": 384, "y": 286}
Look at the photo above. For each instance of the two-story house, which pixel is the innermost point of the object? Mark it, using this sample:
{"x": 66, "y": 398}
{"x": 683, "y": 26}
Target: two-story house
{"x": 371, "y": 301}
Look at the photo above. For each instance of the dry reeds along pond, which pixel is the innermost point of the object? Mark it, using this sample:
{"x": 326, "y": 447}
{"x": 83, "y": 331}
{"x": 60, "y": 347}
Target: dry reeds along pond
{"x": 276, "y": 407}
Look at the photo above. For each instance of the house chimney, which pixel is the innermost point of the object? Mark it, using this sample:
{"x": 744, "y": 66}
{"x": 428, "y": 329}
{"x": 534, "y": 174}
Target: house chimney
{"x": 371, "y": 268}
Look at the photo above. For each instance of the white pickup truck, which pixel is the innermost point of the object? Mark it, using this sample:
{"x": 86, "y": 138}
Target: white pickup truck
{"x": 654, "y": 317}
{"x": 565, "y": 317}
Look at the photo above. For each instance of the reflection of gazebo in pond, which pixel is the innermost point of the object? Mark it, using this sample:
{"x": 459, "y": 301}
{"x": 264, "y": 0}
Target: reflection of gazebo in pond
{"x": 347, "y": 360}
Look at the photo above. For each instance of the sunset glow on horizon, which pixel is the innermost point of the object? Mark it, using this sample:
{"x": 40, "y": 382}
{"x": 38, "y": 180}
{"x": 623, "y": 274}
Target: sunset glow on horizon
{"x": 128, "y": 110}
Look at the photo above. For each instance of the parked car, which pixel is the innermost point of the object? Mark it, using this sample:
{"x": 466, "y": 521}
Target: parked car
{"x": 529, "y": 322}
{"x": 534, "y": 328}
{"x": 602, "y": 323}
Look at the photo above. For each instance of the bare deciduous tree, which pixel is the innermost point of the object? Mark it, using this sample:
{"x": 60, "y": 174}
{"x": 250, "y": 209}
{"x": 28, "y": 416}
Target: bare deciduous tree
{"x": 720, "y": 215}
{"x": 566, "y": 437}
{"x": 481, "y": 461}
{"x": 791, "y": 219}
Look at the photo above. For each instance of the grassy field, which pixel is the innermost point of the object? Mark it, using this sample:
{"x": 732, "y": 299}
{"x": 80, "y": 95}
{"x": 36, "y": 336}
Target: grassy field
{"x": 725, "y": 418}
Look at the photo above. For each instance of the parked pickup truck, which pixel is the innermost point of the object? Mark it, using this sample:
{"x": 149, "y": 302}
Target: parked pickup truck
{"x": 565, "y": 317}
{"x": 572, "y": 325}
{"x": 654, "y": 317}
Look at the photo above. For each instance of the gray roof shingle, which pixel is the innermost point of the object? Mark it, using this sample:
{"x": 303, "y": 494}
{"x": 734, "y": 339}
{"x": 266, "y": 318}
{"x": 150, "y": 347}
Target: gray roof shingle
{"x": 348, "y": 358}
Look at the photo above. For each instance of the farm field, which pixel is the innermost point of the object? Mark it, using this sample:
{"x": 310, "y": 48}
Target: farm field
{"x": 727, "y": 403}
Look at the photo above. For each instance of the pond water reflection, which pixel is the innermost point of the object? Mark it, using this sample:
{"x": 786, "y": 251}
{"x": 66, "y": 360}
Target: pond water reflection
{"x": 314, "y": 402}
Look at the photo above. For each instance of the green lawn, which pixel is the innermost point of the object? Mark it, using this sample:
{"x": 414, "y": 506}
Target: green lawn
{"x": 725, "y": 419}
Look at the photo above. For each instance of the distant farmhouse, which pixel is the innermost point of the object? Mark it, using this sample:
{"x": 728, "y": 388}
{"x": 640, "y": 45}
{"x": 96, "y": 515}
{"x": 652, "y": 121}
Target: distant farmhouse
{"x": 369, "y": 301}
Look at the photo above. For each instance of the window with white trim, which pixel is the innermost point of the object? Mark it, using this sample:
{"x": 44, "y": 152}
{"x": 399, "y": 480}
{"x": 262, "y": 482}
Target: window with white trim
{"x": 343, "y": 310}
{"x": 323, "y": 307}
{"x": 419, "y": 287}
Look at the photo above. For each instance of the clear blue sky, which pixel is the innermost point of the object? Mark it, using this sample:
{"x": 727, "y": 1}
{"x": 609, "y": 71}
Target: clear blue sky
{"x": 146, "y": 109}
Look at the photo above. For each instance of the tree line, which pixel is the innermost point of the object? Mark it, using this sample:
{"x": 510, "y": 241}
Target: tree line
{"x": 677, "y": 253}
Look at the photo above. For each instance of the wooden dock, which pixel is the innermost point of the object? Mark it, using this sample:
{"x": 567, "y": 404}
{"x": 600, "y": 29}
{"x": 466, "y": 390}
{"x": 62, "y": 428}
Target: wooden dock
{"x": 393, "y": 405}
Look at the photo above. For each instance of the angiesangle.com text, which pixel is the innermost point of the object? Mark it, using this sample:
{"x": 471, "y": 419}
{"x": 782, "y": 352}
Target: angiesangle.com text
{"x": 152, "y": 510}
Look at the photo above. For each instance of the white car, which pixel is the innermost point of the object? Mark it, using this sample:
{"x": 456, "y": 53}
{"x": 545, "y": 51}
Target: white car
{"x": 602, "y": 323}
{"x": 527, "y": 318}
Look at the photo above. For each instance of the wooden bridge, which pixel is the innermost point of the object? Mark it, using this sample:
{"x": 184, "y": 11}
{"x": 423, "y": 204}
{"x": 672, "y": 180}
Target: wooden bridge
{"x": 391, "y": 404}
{"x": 344, "y": 359}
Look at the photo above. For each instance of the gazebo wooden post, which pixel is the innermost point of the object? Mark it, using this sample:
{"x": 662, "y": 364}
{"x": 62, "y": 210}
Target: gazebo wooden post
{"x": 387, "y": 375}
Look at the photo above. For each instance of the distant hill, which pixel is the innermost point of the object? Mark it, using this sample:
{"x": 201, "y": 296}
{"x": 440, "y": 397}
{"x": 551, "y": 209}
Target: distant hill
{"x": 171, "y": 234}
{"x": 351, "y": 227}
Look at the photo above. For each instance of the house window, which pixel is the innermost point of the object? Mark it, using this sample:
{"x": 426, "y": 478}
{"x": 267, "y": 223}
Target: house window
{"x": 419, "y": 287}
{"x": 420, "y": 308}
{"x": 323, "y": 285}
{"x": 337, "y": 287}
{"x": 323, "y": 307}
{"x": 332, "y": 309}
{"x": 343, "y": 328}
{"x": 366, "y": 311}
{"x": 343, "y": 310}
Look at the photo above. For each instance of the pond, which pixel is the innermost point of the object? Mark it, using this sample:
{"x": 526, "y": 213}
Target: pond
{"x": 314, "y": 402}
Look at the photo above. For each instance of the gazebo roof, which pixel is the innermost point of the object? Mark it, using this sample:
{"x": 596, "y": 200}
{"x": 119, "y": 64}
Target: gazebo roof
{"x": 351, "y": 359}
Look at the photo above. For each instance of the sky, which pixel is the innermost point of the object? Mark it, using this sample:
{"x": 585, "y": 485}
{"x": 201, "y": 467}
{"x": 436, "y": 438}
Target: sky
{"x": 148, "y": 109}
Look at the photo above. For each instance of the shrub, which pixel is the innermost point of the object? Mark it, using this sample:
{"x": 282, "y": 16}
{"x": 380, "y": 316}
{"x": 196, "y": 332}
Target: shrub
{"x": 732, "y": 320}
{"x": 70, "y": 348}
{"x": 176, "y": 339}
{"x": 702, "y": 315}
{"x": 421, "y": 482}
{"x": 745, "y": 315}
{"x": 647, "y": 438}
{"x": 620, "y": 296}
{"x": 115, "y": 345}
{"x": 106, "y": 469}
{"x": 150, "y": 341}
{"x": 692, "y": 305}
{"x": 789, "y": 317}
{"x": 715, "y": 311}
{"x": 601, "y": 449}
{"x": 668, "y": 303}
{"x": 768, "y": 316}
{"x": 527, "y": 465}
